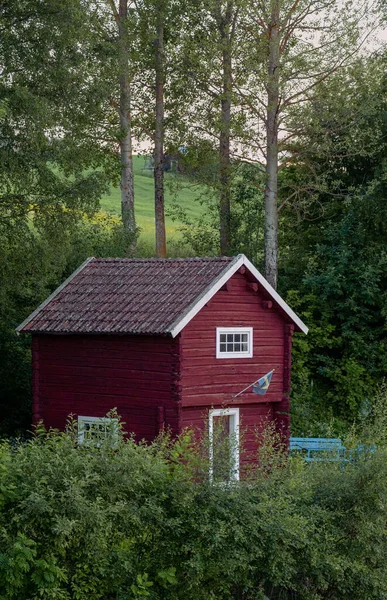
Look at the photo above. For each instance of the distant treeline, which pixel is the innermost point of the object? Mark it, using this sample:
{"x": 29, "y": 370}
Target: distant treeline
{"x": 286, "y": 137}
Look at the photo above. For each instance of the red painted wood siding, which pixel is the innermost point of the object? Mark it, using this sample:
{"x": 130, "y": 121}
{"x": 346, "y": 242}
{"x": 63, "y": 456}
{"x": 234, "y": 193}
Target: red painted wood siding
{"x": 208, "y": 382}
{"x": 156, "y": 380}
{"x": 89, "y": 375}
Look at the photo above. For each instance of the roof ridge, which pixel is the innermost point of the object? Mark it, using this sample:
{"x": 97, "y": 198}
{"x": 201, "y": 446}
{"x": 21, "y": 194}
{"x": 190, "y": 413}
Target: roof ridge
{"x": 154, "y": 259}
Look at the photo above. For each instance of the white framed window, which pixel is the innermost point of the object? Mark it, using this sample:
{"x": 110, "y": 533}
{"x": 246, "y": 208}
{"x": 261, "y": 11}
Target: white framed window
{"x": 223, "y": 424}
{"x": 234, "y": 342}
{"x": 95, "y": 430}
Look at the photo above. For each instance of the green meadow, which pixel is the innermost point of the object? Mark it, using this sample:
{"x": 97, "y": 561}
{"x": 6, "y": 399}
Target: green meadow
{"x": 187, "y": 198}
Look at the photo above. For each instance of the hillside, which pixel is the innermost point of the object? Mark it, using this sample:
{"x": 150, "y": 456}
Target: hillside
{"x": 144, "y": 201}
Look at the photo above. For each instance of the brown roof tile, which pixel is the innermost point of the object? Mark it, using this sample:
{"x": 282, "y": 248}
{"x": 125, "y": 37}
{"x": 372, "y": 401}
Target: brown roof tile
{"x": 121, "y": 295}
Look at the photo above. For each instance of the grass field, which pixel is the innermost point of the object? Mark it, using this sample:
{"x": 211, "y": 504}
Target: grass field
{"x": 187, "y": 198}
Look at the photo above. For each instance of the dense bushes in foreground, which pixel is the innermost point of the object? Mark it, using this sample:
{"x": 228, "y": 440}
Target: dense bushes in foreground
{"x": 134, "y": 521}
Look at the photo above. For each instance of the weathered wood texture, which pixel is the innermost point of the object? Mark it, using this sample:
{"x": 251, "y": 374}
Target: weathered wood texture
{"x": 208, "y": 382}
{"x": 89, "y": 375}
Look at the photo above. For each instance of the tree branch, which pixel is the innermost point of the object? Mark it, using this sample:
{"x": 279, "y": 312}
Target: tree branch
{"x": 114, "y": 9}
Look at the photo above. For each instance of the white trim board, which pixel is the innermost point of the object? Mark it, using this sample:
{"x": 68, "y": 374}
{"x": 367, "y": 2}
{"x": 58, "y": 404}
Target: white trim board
{"x": 225, "y": 412}
{"x": 238, "y": 330}
{"x": 276, "y": 297}
{"x": 237, "y": 263}
{"x": 206, "y": 296}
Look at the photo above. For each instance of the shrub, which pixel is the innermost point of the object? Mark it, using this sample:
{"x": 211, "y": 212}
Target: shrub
{"x": 134, "y": 521}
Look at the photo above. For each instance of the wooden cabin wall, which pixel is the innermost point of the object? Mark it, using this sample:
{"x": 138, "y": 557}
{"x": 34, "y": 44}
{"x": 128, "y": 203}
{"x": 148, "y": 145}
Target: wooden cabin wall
{"x": 89, "y": 375}
{"x": 210, "y": 382}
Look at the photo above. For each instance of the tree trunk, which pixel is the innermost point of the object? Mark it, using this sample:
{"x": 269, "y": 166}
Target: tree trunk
{"x": 127, "y": 187}
{"x": 161, "y": 248}
{"x": 271, "y": 209}
{"x": 224, "y": 145}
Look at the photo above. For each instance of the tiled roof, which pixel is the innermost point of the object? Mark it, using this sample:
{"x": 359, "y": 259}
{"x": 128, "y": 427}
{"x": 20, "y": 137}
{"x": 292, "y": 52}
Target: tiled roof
{"x": 121, "y": 295}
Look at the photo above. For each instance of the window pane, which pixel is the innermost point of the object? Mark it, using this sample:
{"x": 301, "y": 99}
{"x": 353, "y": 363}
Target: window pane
{"x": 97, "y": 432}
{"x": 221, "y": 424}
{"x": 234, "y": 342}
{"x": 221, "y": 450}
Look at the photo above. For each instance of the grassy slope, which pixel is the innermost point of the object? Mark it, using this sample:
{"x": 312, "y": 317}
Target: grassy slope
{"x": 144, "y": 202}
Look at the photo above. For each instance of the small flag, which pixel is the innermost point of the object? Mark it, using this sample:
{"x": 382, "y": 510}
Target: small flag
{"x": 262, "y": 385}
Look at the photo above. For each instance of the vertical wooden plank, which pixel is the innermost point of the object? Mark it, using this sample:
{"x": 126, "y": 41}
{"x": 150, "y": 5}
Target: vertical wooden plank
{"x": 288, "y": 336}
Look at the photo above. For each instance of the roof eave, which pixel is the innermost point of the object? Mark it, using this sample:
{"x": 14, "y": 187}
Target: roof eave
{"x": 21, "y": 327}
{"x": 195, "y": 306}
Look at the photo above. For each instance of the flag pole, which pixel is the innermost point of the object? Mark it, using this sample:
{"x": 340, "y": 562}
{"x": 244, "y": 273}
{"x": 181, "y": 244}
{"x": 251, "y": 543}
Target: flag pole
{"x": 251, "y": 385}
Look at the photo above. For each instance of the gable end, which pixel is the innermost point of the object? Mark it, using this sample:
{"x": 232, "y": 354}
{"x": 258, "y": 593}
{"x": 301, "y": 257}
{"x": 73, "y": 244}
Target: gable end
{"x": 240, "y": 260}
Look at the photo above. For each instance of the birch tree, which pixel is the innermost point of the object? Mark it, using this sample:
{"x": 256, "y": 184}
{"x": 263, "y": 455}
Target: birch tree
{"x": 293, "y": 46}
{"x": 153, "y": 24}
{"x": 209, "y": 59}
{"x": 120, "y": 14}
{"x": 225, "y": 18}
{"x": 161, "y": 244}
{"x": 160, "y": 89}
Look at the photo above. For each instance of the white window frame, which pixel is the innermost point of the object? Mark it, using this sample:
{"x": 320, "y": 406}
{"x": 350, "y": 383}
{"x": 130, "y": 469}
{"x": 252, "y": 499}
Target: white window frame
{"x": 248, "y": 330}
{"x": 225, "y": 412}
{"x": 82, "y": 420}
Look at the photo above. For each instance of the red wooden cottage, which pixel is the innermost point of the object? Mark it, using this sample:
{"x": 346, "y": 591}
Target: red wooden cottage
{"x": 168, "y": 342}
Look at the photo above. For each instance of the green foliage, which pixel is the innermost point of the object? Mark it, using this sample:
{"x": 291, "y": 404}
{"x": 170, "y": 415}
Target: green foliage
{"x": 133, "y": 521}
{"x": 47, "y": 118}
{"x": 336, "y": 251}
{"x": 201, "y": 232}
{"x": 32, "y": 265}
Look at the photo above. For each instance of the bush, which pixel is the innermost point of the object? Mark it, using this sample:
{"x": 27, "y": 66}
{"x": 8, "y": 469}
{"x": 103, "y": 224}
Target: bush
{"x": 140, "y": 521}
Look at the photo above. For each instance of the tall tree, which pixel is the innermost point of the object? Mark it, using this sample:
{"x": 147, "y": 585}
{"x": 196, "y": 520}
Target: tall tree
{"x": 209, "y": 56}
{"x": 54, "y": 91}
{"x": 161, "y": 247}
{"x": 272, "y": 126}
{"x": 225, "y": 17}
{"x": 303, "y": 43}
{"x": 125, "y": 139}
{"x": 161, "y": 91}
{"x": 336, "y": 243}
